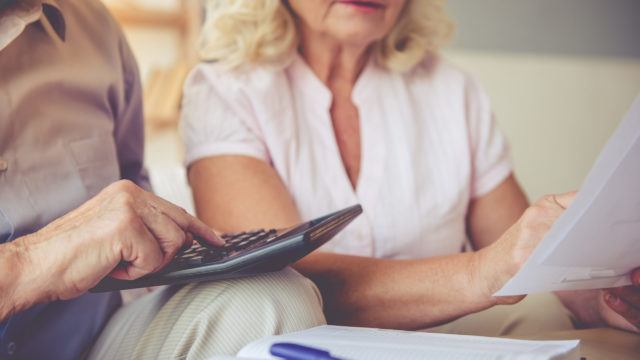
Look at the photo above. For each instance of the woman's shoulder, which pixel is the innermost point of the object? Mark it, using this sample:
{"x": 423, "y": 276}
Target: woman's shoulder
{"x": 440, "y": 73}
{"x": 216, "y": 75}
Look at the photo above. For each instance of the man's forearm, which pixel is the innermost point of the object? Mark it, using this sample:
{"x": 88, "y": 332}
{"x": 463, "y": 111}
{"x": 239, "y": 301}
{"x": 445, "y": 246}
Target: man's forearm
{"x": 13, "y": 298}
{"x": 8, "y": 264}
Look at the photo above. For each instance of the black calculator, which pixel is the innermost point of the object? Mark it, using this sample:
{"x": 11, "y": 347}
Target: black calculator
{"x": 244, "y": 253}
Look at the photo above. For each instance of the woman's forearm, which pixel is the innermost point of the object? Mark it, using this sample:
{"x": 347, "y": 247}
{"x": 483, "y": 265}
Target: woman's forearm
{"x": 401, "y": 294}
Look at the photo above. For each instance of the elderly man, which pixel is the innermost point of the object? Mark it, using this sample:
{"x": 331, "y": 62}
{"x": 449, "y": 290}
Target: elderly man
{"x": 70, "y": 130}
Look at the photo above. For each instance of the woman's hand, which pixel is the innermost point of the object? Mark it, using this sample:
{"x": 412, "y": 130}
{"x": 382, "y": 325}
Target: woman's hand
{"x": 620, "y": 307}
{"x": 500, "y": 261}
{"x": 123, "y": 231}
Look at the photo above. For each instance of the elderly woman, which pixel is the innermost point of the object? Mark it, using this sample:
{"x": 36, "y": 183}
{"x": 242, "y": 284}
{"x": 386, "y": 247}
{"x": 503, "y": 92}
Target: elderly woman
{"x": 309, "y": 106}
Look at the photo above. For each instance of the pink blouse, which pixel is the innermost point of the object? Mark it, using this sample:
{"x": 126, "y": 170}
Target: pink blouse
{"x": 429, "y": 145}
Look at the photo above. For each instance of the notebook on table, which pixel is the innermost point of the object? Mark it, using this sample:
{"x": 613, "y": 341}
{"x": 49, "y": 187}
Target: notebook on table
{"x": 375, "y": 344}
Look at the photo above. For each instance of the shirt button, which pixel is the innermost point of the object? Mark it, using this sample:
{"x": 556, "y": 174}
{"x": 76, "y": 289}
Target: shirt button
{"x": 4, "y": 165}
{"x": 11, "y": 348}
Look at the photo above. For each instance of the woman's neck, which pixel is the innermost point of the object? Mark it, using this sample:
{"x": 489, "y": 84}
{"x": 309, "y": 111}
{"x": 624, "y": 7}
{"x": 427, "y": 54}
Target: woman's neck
{"x": 333, "y": 62}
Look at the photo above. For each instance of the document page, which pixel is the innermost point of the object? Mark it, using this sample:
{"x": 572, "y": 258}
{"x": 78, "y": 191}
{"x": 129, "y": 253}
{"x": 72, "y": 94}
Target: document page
{"x": 375, "y": 344}
{"x": 596, "y": 242}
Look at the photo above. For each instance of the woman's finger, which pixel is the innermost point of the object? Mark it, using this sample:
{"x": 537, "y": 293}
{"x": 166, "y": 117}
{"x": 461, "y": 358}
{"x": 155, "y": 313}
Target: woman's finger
{"x": 630, "y": 294}
{"x": 565, "y": 200}
{"x": 622, "y": 307}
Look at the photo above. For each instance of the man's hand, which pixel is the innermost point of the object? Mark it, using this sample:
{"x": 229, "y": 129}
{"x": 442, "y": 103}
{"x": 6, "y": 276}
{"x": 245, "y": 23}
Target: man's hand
{"x": 620, "y": 307}
{"x": 123, "y": 231}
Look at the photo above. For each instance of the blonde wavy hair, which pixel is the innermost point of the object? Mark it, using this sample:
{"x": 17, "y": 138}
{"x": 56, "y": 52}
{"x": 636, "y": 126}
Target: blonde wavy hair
{"x": 264, "y": 32}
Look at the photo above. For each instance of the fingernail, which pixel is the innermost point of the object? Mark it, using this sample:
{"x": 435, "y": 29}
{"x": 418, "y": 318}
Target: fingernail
{"x": 218, "y": 239}
{"x": 213, "y": 237}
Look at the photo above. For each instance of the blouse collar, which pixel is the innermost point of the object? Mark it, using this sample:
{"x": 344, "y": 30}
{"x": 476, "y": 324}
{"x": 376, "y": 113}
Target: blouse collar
{"x": 306, "y": 80}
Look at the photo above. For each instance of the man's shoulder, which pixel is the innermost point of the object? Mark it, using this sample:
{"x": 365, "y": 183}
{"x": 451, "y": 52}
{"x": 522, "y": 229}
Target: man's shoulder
{"x": 92, "y": 30}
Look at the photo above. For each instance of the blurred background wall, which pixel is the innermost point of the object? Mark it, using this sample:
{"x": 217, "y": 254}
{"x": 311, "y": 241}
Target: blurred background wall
{"x": 560, "y": 73}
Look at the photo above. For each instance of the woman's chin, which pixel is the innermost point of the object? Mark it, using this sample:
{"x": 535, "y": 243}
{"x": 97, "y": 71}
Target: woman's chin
{"x": 357, "y": 35}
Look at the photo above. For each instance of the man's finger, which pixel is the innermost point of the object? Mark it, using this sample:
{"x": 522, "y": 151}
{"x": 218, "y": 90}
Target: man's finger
{"x": 620, "y": 306}
{"x": 169, "y": 236}
{"x": 141, "y": 256}
{"x": 189, "y": 243}
{"x": 186, "y": 221}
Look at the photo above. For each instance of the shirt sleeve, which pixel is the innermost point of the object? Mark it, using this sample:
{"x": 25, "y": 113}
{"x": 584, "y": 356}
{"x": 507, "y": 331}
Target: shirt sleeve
{"x": 6, "y": 230}
{"x": 129, "y": 123}
{"x": 217, "y": 118}
{"x": 491, "y": 161}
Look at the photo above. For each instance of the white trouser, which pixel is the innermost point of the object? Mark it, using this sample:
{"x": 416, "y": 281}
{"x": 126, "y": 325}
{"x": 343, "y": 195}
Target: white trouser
{"x": 197, "y": 321}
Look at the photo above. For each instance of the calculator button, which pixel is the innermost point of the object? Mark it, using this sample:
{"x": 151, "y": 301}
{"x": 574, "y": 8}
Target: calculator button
{"x": 214, "y": 256}
{"x": 243, "y": 243}
{"x": 235, "y": 244}
{"x": 193, "y": 261}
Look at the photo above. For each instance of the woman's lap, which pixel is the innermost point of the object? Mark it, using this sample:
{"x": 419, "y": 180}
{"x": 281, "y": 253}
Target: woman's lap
{"x": 538, "y": 313}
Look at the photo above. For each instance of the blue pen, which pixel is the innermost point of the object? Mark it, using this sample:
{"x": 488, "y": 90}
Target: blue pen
{"x": 288, "y": 351}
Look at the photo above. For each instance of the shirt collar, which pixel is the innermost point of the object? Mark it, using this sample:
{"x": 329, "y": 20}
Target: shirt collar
{"x": 53, "y": 14}
{"x": 306, "y": 79}
{"x": 13, "y": 22}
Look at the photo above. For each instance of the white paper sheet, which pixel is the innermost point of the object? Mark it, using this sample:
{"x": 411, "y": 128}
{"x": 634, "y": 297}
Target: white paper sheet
{"x": 375, "y": 344}
{"x": 596, "y": 242}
